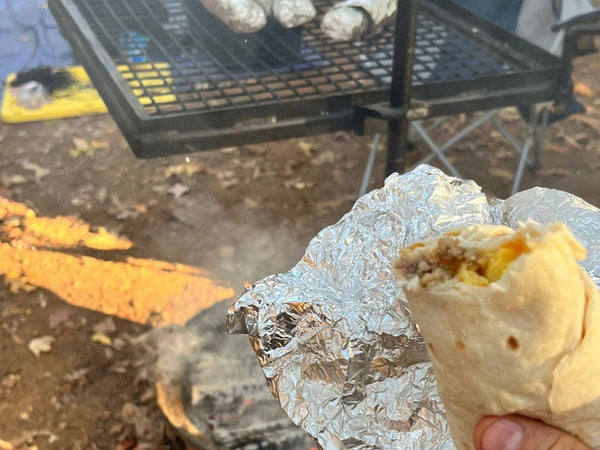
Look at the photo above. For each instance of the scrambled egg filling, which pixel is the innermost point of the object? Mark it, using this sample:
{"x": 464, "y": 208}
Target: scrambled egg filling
{"x": 490, "y": 268}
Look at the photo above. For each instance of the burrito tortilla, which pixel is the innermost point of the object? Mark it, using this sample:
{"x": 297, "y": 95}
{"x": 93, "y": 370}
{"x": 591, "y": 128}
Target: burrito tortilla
{"x": 512, "y": 325}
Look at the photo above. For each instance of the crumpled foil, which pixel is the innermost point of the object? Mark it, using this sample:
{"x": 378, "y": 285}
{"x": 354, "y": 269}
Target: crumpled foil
{"x": 249, "y": 16}
{"x": 355, "y": 19}
{"x": 334, "y": 336}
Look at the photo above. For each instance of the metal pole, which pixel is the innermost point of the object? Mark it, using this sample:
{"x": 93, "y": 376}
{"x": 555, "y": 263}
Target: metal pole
{"x": 404, "y": 53}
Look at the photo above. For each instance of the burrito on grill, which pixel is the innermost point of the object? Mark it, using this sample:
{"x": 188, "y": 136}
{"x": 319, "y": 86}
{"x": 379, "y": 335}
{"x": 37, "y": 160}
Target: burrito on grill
{"x": 351, "y": 20}
{"x": 249, "y": 16}
{"x": 512, "y": 325}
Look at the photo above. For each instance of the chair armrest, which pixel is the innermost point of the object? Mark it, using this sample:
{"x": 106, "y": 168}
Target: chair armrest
{"x": 573, "y": 33}
{"x": 589, "y": 17}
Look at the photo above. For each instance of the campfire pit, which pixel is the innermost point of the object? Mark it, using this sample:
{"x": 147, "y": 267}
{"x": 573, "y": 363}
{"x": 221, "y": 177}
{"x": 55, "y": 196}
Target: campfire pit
{"x": 220, "y": 399}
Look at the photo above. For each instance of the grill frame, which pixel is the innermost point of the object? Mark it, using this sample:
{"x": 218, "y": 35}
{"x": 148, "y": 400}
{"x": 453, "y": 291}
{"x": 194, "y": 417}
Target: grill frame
{"x": 533, "y": 79}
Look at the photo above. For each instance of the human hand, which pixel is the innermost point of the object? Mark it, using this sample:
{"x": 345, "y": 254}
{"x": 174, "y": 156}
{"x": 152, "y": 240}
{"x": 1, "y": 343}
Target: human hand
{"x": 521, "y": 433}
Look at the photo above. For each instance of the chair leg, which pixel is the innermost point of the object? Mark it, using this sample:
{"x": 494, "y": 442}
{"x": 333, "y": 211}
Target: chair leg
{"x": 539, "y": 138}
{"x": 370, "y": 163}
{"x": 439, "y": 152}
{"x": 523, "y": 161}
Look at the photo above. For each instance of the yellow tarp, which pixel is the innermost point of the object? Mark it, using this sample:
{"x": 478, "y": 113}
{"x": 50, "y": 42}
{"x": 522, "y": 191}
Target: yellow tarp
{"x": 80, "y": 99}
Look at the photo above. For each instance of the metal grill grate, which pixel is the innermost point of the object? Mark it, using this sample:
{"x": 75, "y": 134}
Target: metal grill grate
{"x": 177, "y": 57}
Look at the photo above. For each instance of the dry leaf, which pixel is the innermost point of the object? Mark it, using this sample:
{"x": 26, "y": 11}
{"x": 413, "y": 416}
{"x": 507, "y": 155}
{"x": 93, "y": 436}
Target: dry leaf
{"x": 555, "y": 171}
{"x": 10, "y": 381}
{"x": 178, "y": 190}
{"x": 86, "y": 148}
{"x": 5, "y": 445}
{"x": 505, "y": 175}
{"x": 187, "y": 169}
{"x": 298, "y": 184}
{"x": 16, "y": 285}
{"x": 569, "y": 140}
{"x": 38, "y": 171}
{"x": 41, "y": 345}
{"x": 77, "y": 375}
{"x": 102, "y": 339}
{"x": 306, "y": 148}
{"x": 106, "y": 326}
{"x": 509, "y": 114}
{"x": 11, "y": 180}
{"x": 584, "y": 90}
{"x": 322, "y": 158}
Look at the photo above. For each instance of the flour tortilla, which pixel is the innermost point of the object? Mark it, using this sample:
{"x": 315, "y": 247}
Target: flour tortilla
{"x": 528, "y": 343}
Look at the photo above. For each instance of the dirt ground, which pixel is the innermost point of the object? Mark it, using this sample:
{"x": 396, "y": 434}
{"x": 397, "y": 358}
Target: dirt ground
{"x": 98, "y": 247}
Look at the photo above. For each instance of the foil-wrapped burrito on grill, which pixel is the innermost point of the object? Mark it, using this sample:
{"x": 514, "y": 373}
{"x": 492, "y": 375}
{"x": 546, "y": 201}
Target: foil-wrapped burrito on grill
{"x": 512, "y": 325}
{"x": 351, "y": 20}
{"x": 249, "y": 16}
{"x": 336, "y": 340}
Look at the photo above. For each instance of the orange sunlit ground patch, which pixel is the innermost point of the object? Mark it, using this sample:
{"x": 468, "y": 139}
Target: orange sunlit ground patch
{"x": 140, "y": 290}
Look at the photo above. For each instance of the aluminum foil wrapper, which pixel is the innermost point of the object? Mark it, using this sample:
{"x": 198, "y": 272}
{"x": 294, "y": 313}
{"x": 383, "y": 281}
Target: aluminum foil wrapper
{"x": 334, "y": 336}
{"x": 351, "y": 20}
{"x": 249, "y": 16}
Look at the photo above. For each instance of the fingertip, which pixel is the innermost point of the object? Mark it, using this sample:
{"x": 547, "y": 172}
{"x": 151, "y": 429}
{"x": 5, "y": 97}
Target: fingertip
{"x": 480, "y": 428}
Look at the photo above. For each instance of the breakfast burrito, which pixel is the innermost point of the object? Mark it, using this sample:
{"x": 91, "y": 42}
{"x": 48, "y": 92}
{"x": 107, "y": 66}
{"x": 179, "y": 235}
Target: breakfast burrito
{"x": 512, "y": 325}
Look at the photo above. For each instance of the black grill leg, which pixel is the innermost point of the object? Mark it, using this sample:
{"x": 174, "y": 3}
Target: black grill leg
{"x": 397, "y": 145}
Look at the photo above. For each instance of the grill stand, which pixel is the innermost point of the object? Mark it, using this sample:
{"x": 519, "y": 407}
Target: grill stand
{"x": 404, "y": 52}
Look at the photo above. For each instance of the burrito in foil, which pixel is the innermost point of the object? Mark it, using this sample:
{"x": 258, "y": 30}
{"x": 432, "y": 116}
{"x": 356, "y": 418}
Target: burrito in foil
{"x": 351, "y": 20}
{"x": 335, "y": 337}
{"x": 511, "y": 323}
{"x": 249, "y": 16}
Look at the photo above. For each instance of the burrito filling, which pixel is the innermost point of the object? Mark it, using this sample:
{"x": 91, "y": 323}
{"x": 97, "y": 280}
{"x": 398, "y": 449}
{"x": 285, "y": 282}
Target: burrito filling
{"x": 435, "y": 264}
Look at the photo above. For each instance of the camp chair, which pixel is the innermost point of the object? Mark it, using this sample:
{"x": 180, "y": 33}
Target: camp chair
{"x": 545, "y": 23}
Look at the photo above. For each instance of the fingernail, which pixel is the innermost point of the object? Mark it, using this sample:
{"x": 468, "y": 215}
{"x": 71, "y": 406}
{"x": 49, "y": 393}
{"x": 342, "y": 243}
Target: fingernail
{"x": 503, "y": 434}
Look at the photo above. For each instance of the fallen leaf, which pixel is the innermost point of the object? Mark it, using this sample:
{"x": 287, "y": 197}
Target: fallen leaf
{"x": 58, "y": 317}
{"x": 160, "y": 189}
{"x": 509, "y": 114}
{"x": 115, "y": 429}
{"x": 298, "y": 184}
{"x": 10, "y": 381}
{"x": 41, "y": 345}
{"x": 178, "y": 190}
{"x": 505, "y": 175}
{"x": 584, "y": 90}
{"x": 101, "y": 195}
{"x": 188, "y": 169}
{"x": 38, "y": 171}
{"x": 557, "y": 148}
{"x": 555, "y": 171}
{"x": 102, "y": 339}
{"x": 306, "y": 147}
{"x": 106, "y": 326}
{"x": 11, "y": 180}
{"x": 86, "y": 148}
{"x": 569, "y": 140}
{"x": 77, "y": 375}
{"x": 5, "y": 445}
{"x": 323, "y": 158}
{"x": 16, "y": 285}
{"x": 250, "y": 202}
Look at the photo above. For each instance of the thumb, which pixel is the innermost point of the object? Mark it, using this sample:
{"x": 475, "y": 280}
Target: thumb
{"x": 521, "y": 433}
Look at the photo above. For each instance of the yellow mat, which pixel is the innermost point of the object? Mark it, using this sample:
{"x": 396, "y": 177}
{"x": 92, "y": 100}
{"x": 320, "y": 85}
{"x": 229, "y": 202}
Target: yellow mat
{"x": 151, "y": 83}
{"x": 80, "y": 99}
